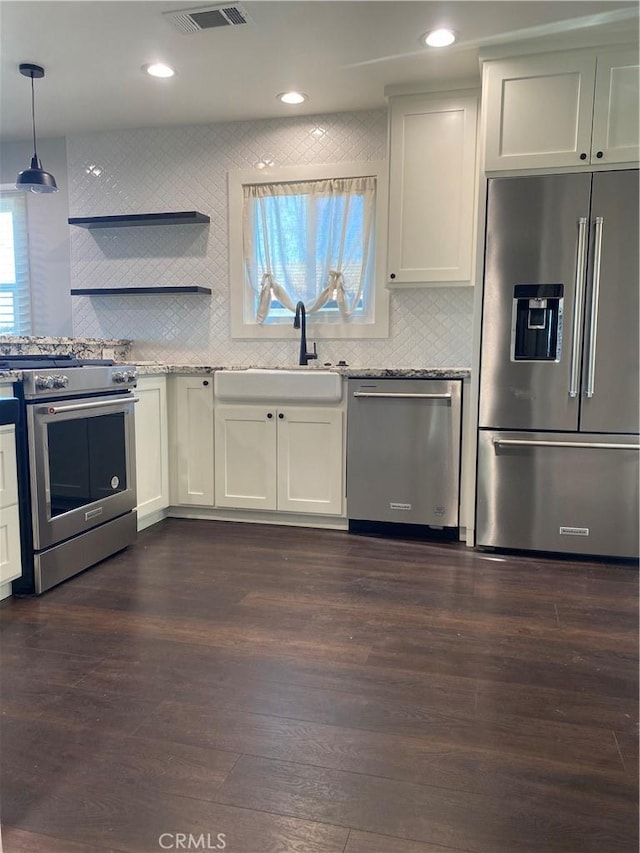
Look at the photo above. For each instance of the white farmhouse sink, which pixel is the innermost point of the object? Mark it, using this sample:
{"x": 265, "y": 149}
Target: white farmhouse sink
{"x": 274, "y": 386}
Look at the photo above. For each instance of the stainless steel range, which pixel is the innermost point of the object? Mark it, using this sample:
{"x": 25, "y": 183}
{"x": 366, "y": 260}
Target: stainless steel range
{"x": 76, "y": 465}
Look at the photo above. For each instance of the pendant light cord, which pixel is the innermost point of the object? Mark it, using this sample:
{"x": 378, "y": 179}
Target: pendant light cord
{"x": 33, "y": 117}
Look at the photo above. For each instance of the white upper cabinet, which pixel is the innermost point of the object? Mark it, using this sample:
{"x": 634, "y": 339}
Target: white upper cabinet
{"x": 432, "y": 174}
{"x": 561, "y": 110}
{"x": 615, "y": 113}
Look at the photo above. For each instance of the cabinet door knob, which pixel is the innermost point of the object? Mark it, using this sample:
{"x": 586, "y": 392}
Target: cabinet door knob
{"x": 583, "y": 156}
{"x": 281, "y": 416}
{"x": 269, "y": 415}
{"x": 392, "y": 275}
{"x": 600, "y": 155}
{"x": 205, "y": 382}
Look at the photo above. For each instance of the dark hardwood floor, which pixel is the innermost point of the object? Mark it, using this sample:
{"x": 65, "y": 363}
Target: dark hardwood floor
{"x": 308, "y": 691}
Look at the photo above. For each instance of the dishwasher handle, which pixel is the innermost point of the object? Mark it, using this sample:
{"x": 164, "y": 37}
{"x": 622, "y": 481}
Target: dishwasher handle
{"x": 390, "y": 395}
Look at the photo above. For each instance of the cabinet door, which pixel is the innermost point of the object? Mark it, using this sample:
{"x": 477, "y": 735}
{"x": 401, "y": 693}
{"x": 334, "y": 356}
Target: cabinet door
{"x": 432, "y": 189}
{"x": 538, "y": 111}
{"x": 193, "y": 445}
{"x": 152, "y": 465}
{"x": 8, "y": 476}
{"x": 310, "y": 460}
{"x": 10, "y": 554}
{"x": 615, "y": 116}
{"x": 10, "y": 559}
{"x": 245, "y": 451}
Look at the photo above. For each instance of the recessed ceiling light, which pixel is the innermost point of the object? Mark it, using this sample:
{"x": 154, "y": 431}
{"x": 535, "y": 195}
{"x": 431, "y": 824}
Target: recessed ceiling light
{"x": 159, "y": 69}
{"x": 292, "y": 97}
{"x": 440, "y": 38}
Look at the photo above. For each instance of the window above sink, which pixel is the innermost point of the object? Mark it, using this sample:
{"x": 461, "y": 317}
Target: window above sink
{"x": 287, "y": 245}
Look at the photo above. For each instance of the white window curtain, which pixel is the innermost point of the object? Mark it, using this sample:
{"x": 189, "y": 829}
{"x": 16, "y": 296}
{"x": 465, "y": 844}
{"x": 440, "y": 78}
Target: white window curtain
{"x": 310, "y": 241}
{"x": 15, "y": 303}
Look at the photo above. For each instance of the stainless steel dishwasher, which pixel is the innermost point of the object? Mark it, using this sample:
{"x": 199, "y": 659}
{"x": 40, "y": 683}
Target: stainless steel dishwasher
{"x": 403, "y": 451}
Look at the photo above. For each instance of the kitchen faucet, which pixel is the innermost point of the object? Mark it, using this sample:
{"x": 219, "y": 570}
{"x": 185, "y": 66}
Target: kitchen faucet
{"x": 300, "y": 322}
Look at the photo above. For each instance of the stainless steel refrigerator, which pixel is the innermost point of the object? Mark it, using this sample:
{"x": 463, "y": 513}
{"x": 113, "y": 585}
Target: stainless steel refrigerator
{"x": 559, "y": 408}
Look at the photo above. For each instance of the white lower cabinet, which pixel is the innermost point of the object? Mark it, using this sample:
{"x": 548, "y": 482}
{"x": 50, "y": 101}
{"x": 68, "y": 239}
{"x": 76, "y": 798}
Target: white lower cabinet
{"x": 309, "y": 460}
{"x": 10, "y": 554}
{"x": 287, "y": 458}
{"x": 245, "y": 467}
{"x": 192, "y": 440}
{"x": 152, "y": 448}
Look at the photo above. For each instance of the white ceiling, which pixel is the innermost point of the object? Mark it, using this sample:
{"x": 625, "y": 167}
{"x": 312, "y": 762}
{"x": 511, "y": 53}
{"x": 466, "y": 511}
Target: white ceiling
{"x": 342, "y": 54}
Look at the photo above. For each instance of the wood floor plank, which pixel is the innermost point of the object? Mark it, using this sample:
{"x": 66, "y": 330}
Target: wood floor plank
{"x": 474, "y": 763}
{"x": 488, "y": 662}
{"x": 496, "y": 699}
{"x": 46, "y": 665}
{"x": 220, "y": 633}
{"x": 292, "y": 701}
{"x": 19, "y": 841}
{"x": 367, "y": 842}
{"x": 182, "y": 671}
{"x": 133, "y": 819}
{"x": 627, "y": 743}
{"x": 347, "y": 712}
{"x": 420, "y": 813}
{"x": 41, "y": 752}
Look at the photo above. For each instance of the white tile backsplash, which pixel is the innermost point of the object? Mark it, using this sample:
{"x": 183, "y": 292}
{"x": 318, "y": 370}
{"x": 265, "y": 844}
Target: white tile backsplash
{"x": 185, "y": 168}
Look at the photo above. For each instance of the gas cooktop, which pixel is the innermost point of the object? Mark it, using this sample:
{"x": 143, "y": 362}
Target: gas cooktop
{"x": 47, "y": 362}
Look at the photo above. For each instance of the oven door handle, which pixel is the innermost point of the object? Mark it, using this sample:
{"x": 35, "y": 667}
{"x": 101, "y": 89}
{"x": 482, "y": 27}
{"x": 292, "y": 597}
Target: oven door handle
{"x": 81, "y": 407}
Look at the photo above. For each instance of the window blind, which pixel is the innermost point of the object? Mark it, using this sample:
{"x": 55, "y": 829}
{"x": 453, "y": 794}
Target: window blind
{"x": 15, "y": 302}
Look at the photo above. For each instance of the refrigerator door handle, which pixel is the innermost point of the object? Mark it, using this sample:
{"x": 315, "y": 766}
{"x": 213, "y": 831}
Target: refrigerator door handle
{"x": 595, "y": 295}
{"x": 576, "y": 346}
{"x": 589, "y": 445}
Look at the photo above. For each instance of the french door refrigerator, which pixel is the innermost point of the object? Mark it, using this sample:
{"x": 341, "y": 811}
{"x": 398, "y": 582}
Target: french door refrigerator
{"x": 559, "y": 408}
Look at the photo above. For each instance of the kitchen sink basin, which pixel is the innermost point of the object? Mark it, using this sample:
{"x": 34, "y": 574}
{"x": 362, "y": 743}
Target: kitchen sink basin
{"x": 276, "y": 386}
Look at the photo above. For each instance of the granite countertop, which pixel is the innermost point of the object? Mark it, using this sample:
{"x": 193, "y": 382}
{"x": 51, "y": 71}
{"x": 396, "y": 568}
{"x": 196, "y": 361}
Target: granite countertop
{"x": 154, "y": 368}
{"x": 36, "y": 345}
{"x": 120, "y": 351}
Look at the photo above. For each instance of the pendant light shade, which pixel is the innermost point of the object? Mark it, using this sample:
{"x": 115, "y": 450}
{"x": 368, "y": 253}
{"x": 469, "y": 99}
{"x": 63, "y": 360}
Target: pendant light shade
{"x": 35, "y": 178}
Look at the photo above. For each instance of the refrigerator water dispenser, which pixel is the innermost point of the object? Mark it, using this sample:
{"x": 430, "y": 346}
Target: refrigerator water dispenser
{"x": 536, "y": 331}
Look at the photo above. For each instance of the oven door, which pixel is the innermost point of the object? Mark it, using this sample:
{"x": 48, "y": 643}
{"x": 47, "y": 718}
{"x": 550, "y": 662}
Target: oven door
{"x": 82, "y": 465}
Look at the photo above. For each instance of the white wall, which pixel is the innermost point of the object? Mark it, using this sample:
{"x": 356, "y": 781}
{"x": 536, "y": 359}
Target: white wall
{"x": 49, "y": 257}
{"x": 185, "y": 168}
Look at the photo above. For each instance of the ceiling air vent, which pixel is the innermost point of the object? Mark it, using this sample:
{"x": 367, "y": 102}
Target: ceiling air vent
{"x": 207, "y": 18}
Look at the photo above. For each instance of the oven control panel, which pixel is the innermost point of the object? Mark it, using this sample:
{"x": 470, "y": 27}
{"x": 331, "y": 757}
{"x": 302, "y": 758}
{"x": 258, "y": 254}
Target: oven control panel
{"x": 87, "y": 379}
{"x": 45, "y": 383}
{"x": 127, "y": 376}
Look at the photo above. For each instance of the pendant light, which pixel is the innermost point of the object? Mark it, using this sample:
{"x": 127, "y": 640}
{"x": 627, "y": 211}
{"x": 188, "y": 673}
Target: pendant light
{"x": 35, "y": 178}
